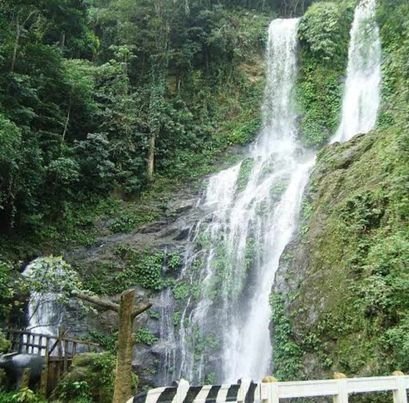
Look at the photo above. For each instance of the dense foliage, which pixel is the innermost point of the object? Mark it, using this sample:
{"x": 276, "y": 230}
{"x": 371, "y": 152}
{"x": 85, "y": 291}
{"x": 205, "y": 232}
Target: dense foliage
{"x": 98, "y": 97}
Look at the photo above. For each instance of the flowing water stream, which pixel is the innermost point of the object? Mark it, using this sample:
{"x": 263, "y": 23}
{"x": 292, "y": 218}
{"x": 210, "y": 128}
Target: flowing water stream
{"x": 250, "y": 214}
{"x": 45, "y": 313}
{"x": 362, "y": 88}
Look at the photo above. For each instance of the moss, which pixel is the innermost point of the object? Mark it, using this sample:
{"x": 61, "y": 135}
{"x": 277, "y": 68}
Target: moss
{"x": 129, "y": 268}
{"x": 324, "y": 38}
{"x": 355, "y": 281}
{"x": 348, "y": 280}
{"x": 244, "y": 174}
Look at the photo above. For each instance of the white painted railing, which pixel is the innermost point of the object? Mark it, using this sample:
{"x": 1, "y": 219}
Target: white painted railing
{"x": 338, "y": 389}
{"x": 271, "y": 392}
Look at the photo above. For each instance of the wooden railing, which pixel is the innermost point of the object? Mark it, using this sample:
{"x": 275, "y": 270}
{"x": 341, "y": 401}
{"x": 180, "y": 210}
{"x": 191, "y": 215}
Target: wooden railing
{"x": 58, "y": 352}
{"x": 338, "y": 390}
{"x": 24, "y": 341}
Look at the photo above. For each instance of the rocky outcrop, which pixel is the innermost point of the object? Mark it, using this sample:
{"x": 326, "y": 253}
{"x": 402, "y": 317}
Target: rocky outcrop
{"x": 338, "y": 279}
{"x": 117, "y": 253}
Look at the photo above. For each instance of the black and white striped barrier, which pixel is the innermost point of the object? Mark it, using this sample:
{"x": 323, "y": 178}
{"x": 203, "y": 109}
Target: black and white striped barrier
{"x": 271, "y": 391}
{"x": 245, "y": 391}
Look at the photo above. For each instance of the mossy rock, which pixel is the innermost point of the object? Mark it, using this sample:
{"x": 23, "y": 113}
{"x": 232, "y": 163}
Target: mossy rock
{"x": 90, "y": 379}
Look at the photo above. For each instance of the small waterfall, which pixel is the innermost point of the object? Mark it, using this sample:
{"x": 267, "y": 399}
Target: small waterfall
{"x": 168, "y": 356}
{"x": 45, "y": 312}
{"x": 249, "y": 215}
{"x": 362, "y": 87}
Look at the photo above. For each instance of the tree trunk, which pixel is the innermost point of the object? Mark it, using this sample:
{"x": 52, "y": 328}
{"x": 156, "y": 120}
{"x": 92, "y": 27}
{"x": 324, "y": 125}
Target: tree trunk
{"x": 19, "y": 29}
{"x": 123, "y": 373}
{"x": 16, "y": 41}
{"x": 67, "y": 121}
{"x": 151, "y": 157}
{"x": 127, "y": 313}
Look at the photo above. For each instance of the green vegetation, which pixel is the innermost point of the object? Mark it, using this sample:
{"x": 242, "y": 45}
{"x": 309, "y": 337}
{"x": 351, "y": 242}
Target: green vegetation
{"x": 287, "y": 354}
{"x": 145, "y": 336}
{"x": 11, "y": 289}
{"x": 324, "y": 38}
{"x": 24, "y": 395}
{"x": 4, "y": 343}
{"x": 90, "y": 379}
{"x": 130, "y": 268}
{"x": 108, "y": 106}
{"x": 124, "y": 98}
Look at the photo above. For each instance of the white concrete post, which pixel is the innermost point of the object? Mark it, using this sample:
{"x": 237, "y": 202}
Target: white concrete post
{"x": 400, "y": 395}
{"x": 269, "y": 391}
{"x": 342, "y": 381}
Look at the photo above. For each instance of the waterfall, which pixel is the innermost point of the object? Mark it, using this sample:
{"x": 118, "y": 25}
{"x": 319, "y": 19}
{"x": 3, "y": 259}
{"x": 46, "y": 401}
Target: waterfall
{"x": 362, "y": 87}
{"x": 249, "y": 215}
{"x": 45, "y": 313}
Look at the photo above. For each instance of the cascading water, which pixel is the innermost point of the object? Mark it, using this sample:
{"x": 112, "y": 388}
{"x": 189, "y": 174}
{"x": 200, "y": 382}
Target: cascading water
{"x": 362, "y": 88}
{"x": 250, "y": 213}
{"x": 45, "y": 313}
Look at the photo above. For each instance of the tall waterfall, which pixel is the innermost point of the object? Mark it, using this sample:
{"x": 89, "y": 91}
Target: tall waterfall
{"x": 250, "y": 212}
{"x": 362, "y": 88}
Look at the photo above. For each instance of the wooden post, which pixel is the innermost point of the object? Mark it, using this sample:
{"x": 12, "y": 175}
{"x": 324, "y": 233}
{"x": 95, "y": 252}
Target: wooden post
{"x": 127, "y": 313}
{"x": 44, "y": 381}
{"x": 65, "y": 356}
{"x": 25, "y": 379}
{"x": 399, "y": 394}
{"x": 123, "y": 373}
{"x": 342, "y": 396}
{"x": 269, "y": 392}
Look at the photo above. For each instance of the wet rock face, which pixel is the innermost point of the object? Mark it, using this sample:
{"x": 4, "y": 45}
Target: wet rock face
{"x": 167, "y": 236}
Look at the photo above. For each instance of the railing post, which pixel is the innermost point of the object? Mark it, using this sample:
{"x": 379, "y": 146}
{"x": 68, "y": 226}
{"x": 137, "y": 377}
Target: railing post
{"x": 399, "y": 394}
{"x": 269, "y": 390}
{"x": 181, "y": 392}
{"x": 342, "y": 381}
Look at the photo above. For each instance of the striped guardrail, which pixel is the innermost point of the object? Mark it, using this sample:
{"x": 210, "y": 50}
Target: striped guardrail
{"x": 270, "y": 391}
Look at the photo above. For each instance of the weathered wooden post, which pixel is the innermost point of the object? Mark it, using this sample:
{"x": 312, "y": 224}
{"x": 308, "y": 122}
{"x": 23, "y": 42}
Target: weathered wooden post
{"x": 123, "y": 372}
{"x": 127, "y": 314}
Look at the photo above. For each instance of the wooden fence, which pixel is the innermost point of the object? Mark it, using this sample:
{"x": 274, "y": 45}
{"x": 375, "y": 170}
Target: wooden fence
{"x": 338, "y": 390}
{"x": 58, "y": 352}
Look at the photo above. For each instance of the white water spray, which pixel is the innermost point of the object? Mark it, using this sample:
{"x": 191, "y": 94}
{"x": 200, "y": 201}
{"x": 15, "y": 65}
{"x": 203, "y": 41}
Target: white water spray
{"x": 45, "y": 313}
{"x": 250, "y": 214}
{"x": 251, "y": 211}
{"x": 362, "y": 87}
